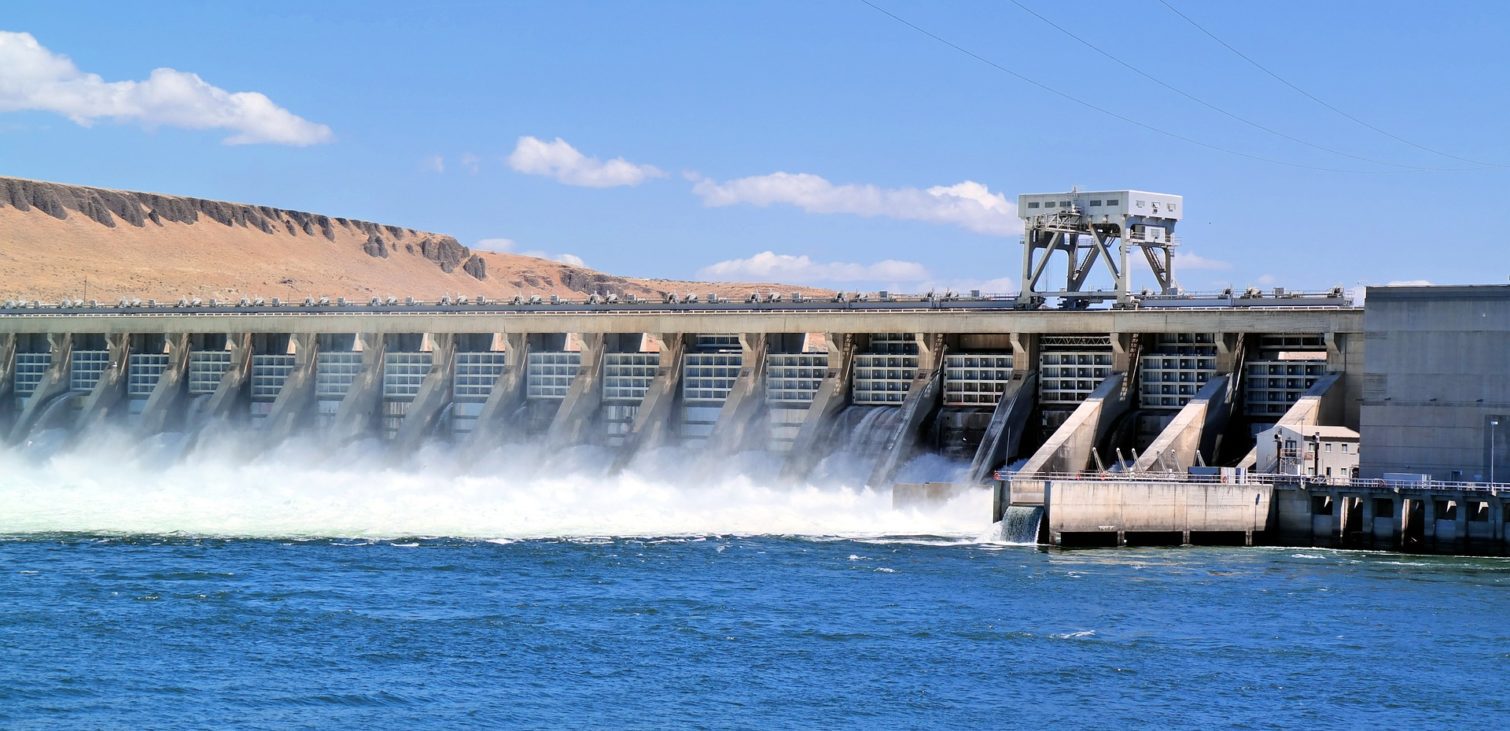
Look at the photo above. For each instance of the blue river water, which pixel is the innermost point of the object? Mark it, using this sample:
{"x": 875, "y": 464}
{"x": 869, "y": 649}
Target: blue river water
{"x": 741, "y": 632}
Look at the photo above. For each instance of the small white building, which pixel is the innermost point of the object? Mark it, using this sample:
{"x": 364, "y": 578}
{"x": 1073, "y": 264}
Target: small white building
{"x": 1323, "y": 451}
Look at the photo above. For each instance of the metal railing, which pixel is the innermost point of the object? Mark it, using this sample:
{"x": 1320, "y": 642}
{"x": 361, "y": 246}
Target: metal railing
{"x": 1263, "y": 478}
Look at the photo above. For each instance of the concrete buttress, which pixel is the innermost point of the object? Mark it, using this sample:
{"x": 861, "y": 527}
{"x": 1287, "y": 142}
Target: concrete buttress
{"x": 1176, "y": 447}
{"x": 1069, "y": 448}
{"x": 922, "y": 399}
{"x": 745, "y": 399}
{"x": 433, "y": 397}
{"x": 7, "y": 381}
{"x": 832, "y": 396}
{"x": 1003, "y": 435}
{"x": 297, "y": 396}
{"x": 357, "y": 415}
{"x": 54, "y": 382}
{"x": 111, "y": 387}
{"x": 1320, "y": 404}
{"x": 507, "y": 394}
{"x": 228, "y": 394}
{"x": 653, "y": 422}
{"x": 166, "y": 400}
{"x": 580, "y": 406}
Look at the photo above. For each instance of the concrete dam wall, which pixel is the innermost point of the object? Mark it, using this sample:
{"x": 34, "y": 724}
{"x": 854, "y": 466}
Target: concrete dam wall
{"x": 979, "y": 385}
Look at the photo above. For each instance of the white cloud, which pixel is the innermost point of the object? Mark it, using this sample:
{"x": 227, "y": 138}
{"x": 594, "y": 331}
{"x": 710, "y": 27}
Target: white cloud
{"x": 434, "y": 163}
{"x": 908, "y": 276}
{"x": 32, "y": 78}
{"x": 471, "y": 162}
{"x": 998, "y": 285}
{"x": 501, "y": 245}
{"x": 1266, "y": 279}
{"x": 1187, "y": 260}
{"x": 558, "y": 159}
{"x": 969, "y": 205}
{"x": 768, "y": 266}
{"x": 509, "y": 246}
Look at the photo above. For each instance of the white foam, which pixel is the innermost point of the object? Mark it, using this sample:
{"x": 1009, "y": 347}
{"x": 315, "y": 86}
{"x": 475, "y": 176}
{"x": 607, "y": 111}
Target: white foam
{"x": 111, "y": 484}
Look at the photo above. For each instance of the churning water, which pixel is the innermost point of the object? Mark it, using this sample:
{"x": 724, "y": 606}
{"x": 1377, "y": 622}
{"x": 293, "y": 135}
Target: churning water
{"x": 113, "y": 484}
{"x": 144, "y": 587}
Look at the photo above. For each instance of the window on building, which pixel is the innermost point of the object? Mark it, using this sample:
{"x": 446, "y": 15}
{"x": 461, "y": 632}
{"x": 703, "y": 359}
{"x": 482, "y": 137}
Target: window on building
{"x": 1112, "y": 202}
{"x": 1328, "y": 446}
{"x": 1064, "y": 204}
{"x": 1140, "y": 204}
{"x": 1033, "y": 204}
{"x": 1096, "y": 203}
{"x": 1171, "y": 206}
{"x": 1048, "y": 204}
{"x": 1344, "y": 448}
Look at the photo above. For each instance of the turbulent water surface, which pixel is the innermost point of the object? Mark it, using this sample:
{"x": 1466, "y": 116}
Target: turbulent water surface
{"x": 148, "y": 590}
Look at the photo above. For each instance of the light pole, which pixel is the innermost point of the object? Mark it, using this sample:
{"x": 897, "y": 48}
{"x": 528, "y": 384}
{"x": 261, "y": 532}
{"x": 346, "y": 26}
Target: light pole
{"x": 1494, "y": 423}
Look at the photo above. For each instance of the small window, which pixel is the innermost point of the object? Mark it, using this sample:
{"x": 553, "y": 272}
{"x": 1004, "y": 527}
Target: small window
{"x": 1064, "y": 204}
{"x": 1344, "y": 447}
{"x": 1096, "y": 203}
{"x": 1033, "y": 204}
{"x": 1171, "y": 206}
{"x": 1140, "y": 204}
{"x": 1049, "y": 204}
{"x": 1113, "y": 202}
{"x": 1329, "y": 447}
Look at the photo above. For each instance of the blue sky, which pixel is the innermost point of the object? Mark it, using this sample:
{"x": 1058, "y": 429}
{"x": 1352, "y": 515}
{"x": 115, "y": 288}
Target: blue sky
{"x": 816, "y": 141}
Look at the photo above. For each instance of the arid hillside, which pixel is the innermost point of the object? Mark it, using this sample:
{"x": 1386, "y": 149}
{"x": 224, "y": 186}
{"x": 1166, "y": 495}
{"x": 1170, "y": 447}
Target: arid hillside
{"x": 65, "y": 241}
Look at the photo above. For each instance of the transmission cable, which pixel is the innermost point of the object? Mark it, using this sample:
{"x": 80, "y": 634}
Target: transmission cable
{"x": 1103, "y": 110}
{"x": 1213, "y": 107}
{"x": 1320, "y": 101}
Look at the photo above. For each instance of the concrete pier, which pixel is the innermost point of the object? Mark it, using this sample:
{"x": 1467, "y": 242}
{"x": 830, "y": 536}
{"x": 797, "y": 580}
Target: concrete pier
{"x": 433, "y": 396}
{"x": 53, "y": 384}
{"x": 1009, "y": 420}
{"x": 746, "y": 399}
{"x": 164, "y": 408}
{"x": 922, "y": 399}
{"x": 1422, "y": 517}
{"x": 1179, "y": 446}
{"x": 831, "y": 398}
{"x": 1092, "y": 512}
{"x": 653, "y": 424}
{"x": 1070, "y": 448}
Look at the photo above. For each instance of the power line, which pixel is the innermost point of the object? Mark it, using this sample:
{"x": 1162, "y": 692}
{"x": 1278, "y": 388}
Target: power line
{"x": 1094, "y": 107}
{"x": 1318, "y": 100}
{"x": 1209, "y": 105}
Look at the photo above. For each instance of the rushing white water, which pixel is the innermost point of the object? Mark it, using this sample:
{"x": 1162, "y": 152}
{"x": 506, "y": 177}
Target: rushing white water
{"x": 1019, "y": 524}
{"x": 111, "y": 484}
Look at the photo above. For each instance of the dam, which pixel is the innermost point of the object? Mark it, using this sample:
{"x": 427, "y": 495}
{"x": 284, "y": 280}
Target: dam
{"x": 1030, "y": 394}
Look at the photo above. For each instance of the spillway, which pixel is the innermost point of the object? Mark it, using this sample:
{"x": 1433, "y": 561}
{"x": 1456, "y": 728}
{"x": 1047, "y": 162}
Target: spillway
{"x": 811, "y": 388}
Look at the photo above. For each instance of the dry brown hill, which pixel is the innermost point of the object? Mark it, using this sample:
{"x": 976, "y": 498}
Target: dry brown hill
{"x": 65, "y": 241}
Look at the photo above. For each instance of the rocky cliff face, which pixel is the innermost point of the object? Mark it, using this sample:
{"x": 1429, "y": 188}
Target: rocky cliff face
{"x": 113, "y": 207}
{"x": 73, "y": 242}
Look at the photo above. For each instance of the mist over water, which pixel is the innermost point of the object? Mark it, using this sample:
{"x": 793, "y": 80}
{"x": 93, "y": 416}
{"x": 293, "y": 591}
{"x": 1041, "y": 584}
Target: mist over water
{"x": 110, "y": 482}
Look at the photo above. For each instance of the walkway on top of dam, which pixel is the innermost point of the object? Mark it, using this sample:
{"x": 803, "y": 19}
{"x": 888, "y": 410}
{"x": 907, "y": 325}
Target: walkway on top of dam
{"x": 945, "y": 318}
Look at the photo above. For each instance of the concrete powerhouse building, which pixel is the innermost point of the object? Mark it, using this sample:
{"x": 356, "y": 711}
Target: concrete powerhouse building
{"x": 1436, "y": 382}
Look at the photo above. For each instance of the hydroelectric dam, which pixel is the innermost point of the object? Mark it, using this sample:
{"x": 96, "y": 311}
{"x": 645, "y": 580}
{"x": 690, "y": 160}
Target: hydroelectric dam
{"x": 1173, "y": 397}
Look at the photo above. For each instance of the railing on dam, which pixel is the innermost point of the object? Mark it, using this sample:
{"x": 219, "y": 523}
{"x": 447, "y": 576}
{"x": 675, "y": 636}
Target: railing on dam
{"x": 1254, "y": 478}
{"x": 769, "y": 301}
